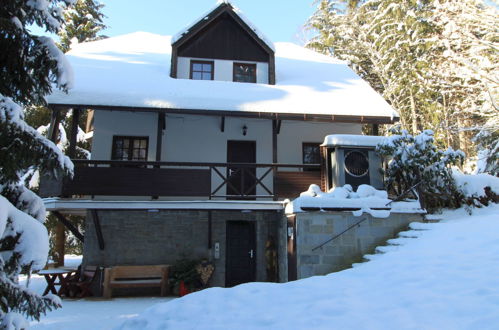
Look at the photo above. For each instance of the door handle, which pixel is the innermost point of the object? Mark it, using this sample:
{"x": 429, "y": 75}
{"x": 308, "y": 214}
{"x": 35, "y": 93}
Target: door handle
{"x": 251, "y": 253}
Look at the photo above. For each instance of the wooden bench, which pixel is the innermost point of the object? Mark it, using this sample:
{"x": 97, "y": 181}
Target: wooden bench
{"x": 136, "y": 277}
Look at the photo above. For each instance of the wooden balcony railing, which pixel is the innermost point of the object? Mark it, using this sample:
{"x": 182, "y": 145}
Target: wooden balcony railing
{"x": 184, "y": 179}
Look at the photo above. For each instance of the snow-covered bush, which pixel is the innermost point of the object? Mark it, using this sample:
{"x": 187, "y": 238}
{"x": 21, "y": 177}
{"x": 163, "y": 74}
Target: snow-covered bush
{"x": 478, "y": 189}
{"x": 416, "y": 163}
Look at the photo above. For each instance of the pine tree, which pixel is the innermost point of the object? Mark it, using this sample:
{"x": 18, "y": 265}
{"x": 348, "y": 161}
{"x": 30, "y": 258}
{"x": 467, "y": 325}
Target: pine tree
{"x": 29, "y": 64}
{"x": 83, "y": 21}
{"x": 435, "y": 61}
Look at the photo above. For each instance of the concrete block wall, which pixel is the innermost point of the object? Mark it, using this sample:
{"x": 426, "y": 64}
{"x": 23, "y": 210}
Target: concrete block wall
{"x": 315, "y": 228}
{"x": 142, "y": 237}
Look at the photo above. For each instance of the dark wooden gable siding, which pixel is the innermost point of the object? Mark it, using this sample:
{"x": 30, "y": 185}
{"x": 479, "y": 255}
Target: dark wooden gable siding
{"x": 224, "y": 39}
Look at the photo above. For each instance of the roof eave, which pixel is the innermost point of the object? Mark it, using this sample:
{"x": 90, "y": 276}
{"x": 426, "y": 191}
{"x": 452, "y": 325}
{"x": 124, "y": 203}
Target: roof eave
{"x": 239, "y": 113}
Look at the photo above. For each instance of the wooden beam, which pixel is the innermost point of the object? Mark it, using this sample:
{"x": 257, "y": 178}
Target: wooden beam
{"x": 210, "y": 220}
{"x": 72, "y": 228}
{"x": 89, "y": 125}
{"x": 55, "y": 120}
{"x": 159, "y": 134}
{"x": 279, "y": 122}
{"x": 274, "y": 140}
{"x": 73, "y": 133}
{"x": 274, "y": 156}
{"x": 98, "y": 229}
{"x": 222, "y": 124}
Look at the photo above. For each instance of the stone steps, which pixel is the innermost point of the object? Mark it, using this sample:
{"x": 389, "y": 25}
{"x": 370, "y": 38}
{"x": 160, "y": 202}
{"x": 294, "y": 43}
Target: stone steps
{"x": 415, "y": 231}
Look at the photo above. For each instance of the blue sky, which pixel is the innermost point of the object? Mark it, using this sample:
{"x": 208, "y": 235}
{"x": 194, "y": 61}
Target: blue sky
{"x": 279, "y": 20}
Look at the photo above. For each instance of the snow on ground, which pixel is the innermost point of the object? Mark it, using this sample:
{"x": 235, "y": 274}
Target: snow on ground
{"x": 446, "y": 278}
{"x": 91, "y": 313}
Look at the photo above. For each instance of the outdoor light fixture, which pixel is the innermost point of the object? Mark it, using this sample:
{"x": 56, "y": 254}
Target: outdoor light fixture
{"x": 245, "y": 130}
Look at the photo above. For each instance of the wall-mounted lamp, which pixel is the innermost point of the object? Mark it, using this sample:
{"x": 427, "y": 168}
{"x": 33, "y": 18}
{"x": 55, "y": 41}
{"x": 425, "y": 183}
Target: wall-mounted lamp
{"x": 245, "y": 130}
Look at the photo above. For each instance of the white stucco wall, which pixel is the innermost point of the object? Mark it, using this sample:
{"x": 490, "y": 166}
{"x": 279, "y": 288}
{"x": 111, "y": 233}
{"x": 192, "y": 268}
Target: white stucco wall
{"x": 195, "y": 138}
{"x": 293, "y": 133}
{"x": 223, "y": 69}
{"x": 110, "y": 123}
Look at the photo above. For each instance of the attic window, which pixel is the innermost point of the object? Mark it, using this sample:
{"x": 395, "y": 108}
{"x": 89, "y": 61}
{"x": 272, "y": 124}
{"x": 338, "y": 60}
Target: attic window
{"x": 244, "y": 72}
{"x": 202, "y": 70}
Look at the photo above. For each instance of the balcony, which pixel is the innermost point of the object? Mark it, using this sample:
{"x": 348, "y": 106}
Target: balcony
{"x": 235, "y": 181}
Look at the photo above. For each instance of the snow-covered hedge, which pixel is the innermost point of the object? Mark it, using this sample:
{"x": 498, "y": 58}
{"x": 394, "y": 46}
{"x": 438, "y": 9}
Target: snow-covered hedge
{"x": 415, "y": 162}
{"x": 477, "y": 189}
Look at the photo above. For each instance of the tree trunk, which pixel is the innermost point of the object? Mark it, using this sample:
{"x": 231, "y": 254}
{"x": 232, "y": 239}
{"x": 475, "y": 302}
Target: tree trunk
{"x": 414, "y": 118}
{"x": 60, "y": 240}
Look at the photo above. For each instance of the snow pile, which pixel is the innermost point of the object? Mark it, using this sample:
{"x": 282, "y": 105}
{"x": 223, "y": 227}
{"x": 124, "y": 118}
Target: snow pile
{"x": 33, "y": 244}
{"x": 366, "y": 199}
{"x": 134, "y": 70}
{"x": 442, "y": 276}
{"x": 474, "y": 185}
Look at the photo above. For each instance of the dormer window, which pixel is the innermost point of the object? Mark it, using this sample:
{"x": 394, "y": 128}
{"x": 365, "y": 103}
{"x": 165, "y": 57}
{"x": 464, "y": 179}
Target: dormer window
{"x": 202, "y": 70}
{"x": 244, "y": 72}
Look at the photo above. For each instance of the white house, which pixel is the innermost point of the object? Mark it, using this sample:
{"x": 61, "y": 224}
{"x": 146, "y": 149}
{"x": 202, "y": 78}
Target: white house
{"x": 198, "y": 139}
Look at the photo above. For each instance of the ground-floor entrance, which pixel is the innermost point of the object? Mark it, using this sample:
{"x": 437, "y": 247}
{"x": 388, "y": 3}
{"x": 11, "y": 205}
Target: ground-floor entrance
{"x": 240, "y": 253}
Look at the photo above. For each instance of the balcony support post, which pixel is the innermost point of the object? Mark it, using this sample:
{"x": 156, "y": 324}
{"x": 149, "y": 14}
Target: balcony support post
{"x": 74, "y": 133}
{"x": 210, "y": 219}
{"x": 222, "y": 124}
{"x": 276, "y": 127}
{"x": 159, "y": 134}
{"x": 55, "y": 120}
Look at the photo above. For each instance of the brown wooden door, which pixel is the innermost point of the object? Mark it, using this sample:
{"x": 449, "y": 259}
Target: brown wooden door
{"x": 240, "y": 265}
{"x": 241, "y": 180}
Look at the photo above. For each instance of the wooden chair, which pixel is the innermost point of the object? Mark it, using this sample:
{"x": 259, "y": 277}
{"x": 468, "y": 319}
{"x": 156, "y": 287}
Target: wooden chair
{"x": 81, "y": 284}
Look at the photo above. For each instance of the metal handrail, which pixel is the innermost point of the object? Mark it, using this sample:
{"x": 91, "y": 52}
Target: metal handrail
{"x": 338, "y": 235}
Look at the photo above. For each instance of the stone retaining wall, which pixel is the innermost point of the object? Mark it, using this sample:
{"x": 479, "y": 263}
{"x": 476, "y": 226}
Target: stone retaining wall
{"x": 314, "y": 228}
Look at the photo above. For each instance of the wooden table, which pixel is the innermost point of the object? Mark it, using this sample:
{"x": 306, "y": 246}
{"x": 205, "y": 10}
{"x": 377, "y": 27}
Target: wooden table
{"x": 57, "y": 277}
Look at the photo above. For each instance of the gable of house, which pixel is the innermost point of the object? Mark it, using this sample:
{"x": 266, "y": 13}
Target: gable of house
{"x": 222, "y": 34}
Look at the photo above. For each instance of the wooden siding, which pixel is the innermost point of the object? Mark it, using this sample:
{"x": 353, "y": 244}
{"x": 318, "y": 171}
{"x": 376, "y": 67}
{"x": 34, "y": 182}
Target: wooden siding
{"x": 291, "y": 184}
{"x": 223, "y": 39}
{"x": 126, "y": 181}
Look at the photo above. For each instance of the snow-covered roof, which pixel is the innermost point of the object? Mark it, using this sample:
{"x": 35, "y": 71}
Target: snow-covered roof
{"x": 351, "y": 140}
{"x": 206, "y": 16}
{"x": 133, "y": 70}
